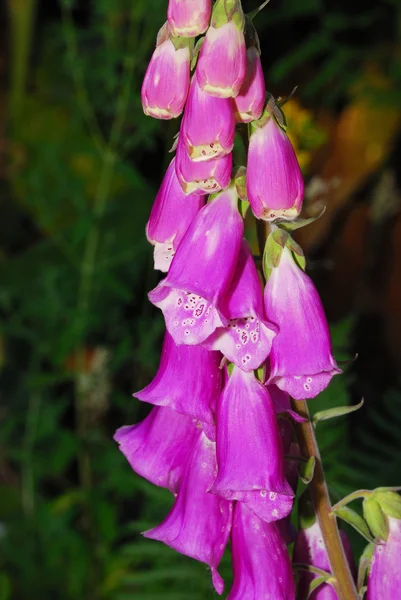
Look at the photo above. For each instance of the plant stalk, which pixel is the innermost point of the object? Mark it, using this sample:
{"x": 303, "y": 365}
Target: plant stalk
{"x": 342, "y": 578}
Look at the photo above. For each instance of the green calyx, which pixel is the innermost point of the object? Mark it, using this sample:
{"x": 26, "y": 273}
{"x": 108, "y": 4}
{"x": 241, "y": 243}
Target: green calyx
{"x": 389, "y": 502}
{"x": 182, "y": 42}
{"x": 298, "y": 222}
{"x": 225, "y": 11}
{"x": 275, "y": 244}
{"x": 375, "y": 518}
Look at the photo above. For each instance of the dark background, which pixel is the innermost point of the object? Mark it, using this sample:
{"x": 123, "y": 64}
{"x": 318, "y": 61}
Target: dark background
{"x": 79, "y": 167}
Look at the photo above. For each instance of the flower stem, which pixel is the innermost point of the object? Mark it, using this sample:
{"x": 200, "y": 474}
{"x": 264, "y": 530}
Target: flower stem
{"x": 343, "y": 580}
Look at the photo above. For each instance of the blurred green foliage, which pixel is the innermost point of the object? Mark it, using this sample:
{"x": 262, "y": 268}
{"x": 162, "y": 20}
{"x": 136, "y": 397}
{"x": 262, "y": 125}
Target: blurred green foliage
{"x": 77, "y": 332}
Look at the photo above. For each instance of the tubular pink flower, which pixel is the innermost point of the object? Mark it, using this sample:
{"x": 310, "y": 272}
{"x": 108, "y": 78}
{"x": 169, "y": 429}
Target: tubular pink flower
{"x": 248, "y": 105}
{"x": 208, "y": 125}
{"x": 261, "y": 564}
{"x": 158, "y": 447}
{"x": 166, "y": 83}
{"x": 172, "y": 213}
{"x": 189, "y": 18}
{"x": 301, "y": 362}
{"x": 274, "y": 181}
{"x": 222, "y": 61}
{"x": 199, "y": 523}
{"x": 201, "y": 271}
{"x": 247, "y": 339}
{"x": 202, "y": 177}
{"x": 384, "y": 581}
{"x": 188, "y": 380}
{"x": 249, "y": 449}
{"x": 310, "y": 549}
{"x": 282, "y": 404}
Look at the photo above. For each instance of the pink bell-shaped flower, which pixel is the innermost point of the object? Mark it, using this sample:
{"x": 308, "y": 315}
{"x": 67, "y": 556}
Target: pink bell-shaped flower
{"x": 166, "y": 83}
{"x": 274, "y": 181}
{"x": 247, "y": 339}
{"x": 202, "y": 177}
{"x": 261, "y": 564}
{"x": 188, "y": 380}
{"x": 201, "y": 271}
{"x": 249, "y": 104}
{"x": 310, "y": 549}
{"x": 199, "y": 523}
{"x": 301, "y": 362}
{"x": 172, "y": 213}
{"x": 208, "y": 126}
{"x": 384, "y": 581}
{"x": 189, "y": 18}
{"x": 249, "y": 449}
{"x": 222, "y": 61}
{"x": 158, "y": 447}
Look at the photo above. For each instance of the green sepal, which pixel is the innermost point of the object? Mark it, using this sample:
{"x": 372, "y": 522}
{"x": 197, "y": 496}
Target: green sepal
{"x": 297, "y": 252}
{"x": 298, "y": 222}
{"x": 351, "y": 517}
{"x": 260, "y": 373}
{"x": 375, "y": 518}
{"x": 251, "y": 35}
{"x": 195, "y": 53}
{"x": 338, "y": 411}
{"x": 230, "y": 368}
{"x": 306, "y": 513}
{"x": 364, "y": 565}
{"x": 307, "y": 470}
{"x": 182, "y": 42}
{"x": 274, "y": 247}
{"x": 225, "y": 11}
{"x": 255, "y": 12}
{"x": 389, "y": 502}
{"x": 240, "y": 182}
{"x": 315, "y": 583}
{"x": 243, "y": 206}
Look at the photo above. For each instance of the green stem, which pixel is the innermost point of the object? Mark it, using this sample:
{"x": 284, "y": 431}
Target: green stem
{"x": 343, "y": 580}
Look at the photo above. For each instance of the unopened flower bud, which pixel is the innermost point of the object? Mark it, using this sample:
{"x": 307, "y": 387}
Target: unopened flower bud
{"x": 166, "y": 83}
{"x": 274, "y": 180}
{"x": 251, "y": 98}
{"x": 202, "y": 177}
{"x": 222, "y": 61}
{"x": 189, "y": 18}
{"x": 208, "y": 125}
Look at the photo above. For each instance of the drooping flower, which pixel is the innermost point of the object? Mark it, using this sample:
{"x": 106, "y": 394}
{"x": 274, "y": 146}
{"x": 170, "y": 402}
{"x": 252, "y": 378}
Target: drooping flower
{"x": 222, "y": 61}
{"x": 247, "y": 339}
{"x": 166, "y": 82}
{"x": 261, "y": 564}
{"x": 208, "y": 126}
{"x": 301, "y": 362}
{"x": 202, "y": 177}
{"x": 158, "y": 447}
{"x": 310, "y": 549}
{"x": 250, "y": 101}
{"x": 199, "y": 523}
{"x": 201, "y": 271}
{"x": 189, "y": 18}
{"x": 384, "y": 581}
{"x": 172, "y": 213}
{"x": 249, "y": 449}
{"x": 188, "y": 380}
{"x": 274, "y": 181}
{"x": 282, "y": 403}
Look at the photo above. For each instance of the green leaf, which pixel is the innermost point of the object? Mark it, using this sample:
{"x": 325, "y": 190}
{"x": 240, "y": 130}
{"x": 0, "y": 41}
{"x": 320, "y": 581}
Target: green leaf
{"x": 314, "y": 584}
